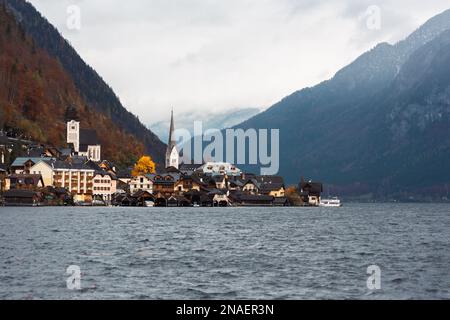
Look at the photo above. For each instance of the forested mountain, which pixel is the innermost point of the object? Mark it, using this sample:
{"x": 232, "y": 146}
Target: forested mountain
{"x": 379, "y": 126}
{"x": 94, "y": 93}
{"x": 35, "y": 91}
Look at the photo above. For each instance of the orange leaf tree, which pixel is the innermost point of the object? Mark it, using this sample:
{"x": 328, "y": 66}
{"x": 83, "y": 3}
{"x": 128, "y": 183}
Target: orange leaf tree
{"x": 144, "y": 166}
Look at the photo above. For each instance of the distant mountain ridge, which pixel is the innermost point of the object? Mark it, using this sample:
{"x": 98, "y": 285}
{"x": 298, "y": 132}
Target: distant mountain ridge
{"x": 219, "y": 120}
{"x": 91, "y": 86}
{"x": 345, "y": 131}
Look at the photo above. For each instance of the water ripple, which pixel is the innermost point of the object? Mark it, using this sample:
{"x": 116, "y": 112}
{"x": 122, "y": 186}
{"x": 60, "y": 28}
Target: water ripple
{"x": 234, "y": 253}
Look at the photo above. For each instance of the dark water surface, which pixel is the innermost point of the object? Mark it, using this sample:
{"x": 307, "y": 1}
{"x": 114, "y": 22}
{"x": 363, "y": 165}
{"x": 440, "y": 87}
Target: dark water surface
{"x": 226, "y": 253}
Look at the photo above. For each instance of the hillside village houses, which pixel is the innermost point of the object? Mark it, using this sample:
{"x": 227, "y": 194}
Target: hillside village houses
{"x": 208, "y": 184}
{"x": 77, "y": 169}
{"x": 78, "y": 174}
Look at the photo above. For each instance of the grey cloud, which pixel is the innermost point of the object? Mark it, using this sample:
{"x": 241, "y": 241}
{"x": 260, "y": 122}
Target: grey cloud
{"x": 195, "y": 54}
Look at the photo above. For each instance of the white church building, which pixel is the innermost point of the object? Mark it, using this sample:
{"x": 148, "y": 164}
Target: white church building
{"x": 85, "y": 141}
{"x": 172, "y": 155}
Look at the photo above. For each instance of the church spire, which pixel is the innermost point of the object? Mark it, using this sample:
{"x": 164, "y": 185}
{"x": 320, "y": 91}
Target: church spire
{"x": 172, "y": 156}
{"x": 172, "y": 130}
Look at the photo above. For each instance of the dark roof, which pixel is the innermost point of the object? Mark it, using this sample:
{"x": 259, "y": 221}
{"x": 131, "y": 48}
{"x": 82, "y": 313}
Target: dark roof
{"x": 93, "y": 165}
{"x": 174, "y": 177}
{"x": 88, "y": 137}
{"x": 315, "y": 188}
{"x": 141, "y": 193}
{"x": 76, "y": 165}
{"x": 218, "y": 178}
{"x": 252, "y": 181}
{"x": 216, "y": 191}
{"x": 238, "y": 181}
{"x": 254, "y": 197}
{"x": 271, "y": 187}
{"x": 20, "y": 161}
{"x": 280, "y": 200}
{"x": 66, "y": 152}
{"x": 171, "y": 170}
{"x": 36, "y": 152}
{"x": 28, "y": 179}
{"x": 4, "y": 139}
{"x": 269, "y": 179}
{"x": 124, "y": 173}
{"x": 19, "y": 194}
{"x": 189, "y": 167}
{"x": 178, "y": 198}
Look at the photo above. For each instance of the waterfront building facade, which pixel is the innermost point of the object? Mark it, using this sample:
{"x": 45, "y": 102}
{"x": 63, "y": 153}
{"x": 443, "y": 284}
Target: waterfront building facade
{"x": 104, "y": 185}
{"x": 76, "y": 178}
{"x": 141, "y": 183}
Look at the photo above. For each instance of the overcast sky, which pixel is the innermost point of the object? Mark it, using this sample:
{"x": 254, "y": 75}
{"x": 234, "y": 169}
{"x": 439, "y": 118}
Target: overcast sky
{"x": 212, "y": 55}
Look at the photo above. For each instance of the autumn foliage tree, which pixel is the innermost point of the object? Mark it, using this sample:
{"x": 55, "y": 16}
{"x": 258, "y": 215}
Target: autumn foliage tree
{"x": 145, "y": 165}
{"x": 293, "y": 196}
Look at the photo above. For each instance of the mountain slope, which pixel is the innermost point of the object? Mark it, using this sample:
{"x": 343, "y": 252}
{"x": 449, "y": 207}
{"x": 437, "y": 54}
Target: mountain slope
{"x": 35, "y": 90}
{"x": 343, "y": 130}
{"x": 92, "y": 87}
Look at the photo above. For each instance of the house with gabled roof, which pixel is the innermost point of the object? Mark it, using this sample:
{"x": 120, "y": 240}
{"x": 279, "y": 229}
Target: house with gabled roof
{"x": 24, "y": 164}
{"x": 310, "y": 192}
{"x": 24, "y": 182}
{"x": 45, "y": 169}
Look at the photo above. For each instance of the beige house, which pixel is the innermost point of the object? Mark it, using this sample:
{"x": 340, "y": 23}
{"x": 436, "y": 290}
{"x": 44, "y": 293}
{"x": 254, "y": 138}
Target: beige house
{"x": 251, "y": 187}
{"x": 187, "y": 183}
{"x": 77, "y": 179}
{"x": 45, "y": 170}
{"x": 104, "y": 186}
{"x": 274, "y": 191}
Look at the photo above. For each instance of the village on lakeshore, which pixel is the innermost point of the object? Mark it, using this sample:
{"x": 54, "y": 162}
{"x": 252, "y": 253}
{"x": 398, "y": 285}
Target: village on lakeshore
{"x": 78, "y": 175}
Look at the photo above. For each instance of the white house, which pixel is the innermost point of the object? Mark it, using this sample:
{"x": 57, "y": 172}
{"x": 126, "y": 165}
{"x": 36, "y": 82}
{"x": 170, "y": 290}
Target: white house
{"x": 104, "y": 186}
{"x": 222, "y": 168}
{"x": 143, "y": 183}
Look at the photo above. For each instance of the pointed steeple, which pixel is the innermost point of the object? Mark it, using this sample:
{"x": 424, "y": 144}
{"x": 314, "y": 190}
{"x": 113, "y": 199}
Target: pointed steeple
{"x": 171, "y": 132}
{"x": 172, "y": 156}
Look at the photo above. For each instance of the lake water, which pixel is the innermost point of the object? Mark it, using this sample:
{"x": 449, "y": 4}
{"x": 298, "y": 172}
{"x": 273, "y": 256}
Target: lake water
{"x": 226, "y": 253}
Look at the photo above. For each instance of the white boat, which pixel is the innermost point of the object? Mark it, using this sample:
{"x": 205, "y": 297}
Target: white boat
{"x": 332, "y": 203}
{"x": 149, "y": 203}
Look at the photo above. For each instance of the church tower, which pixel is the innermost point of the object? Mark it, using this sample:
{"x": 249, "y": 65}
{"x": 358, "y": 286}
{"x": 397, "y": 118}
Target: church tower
{"x": 172, "y": 156}
{"x": 73, "y": 134}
